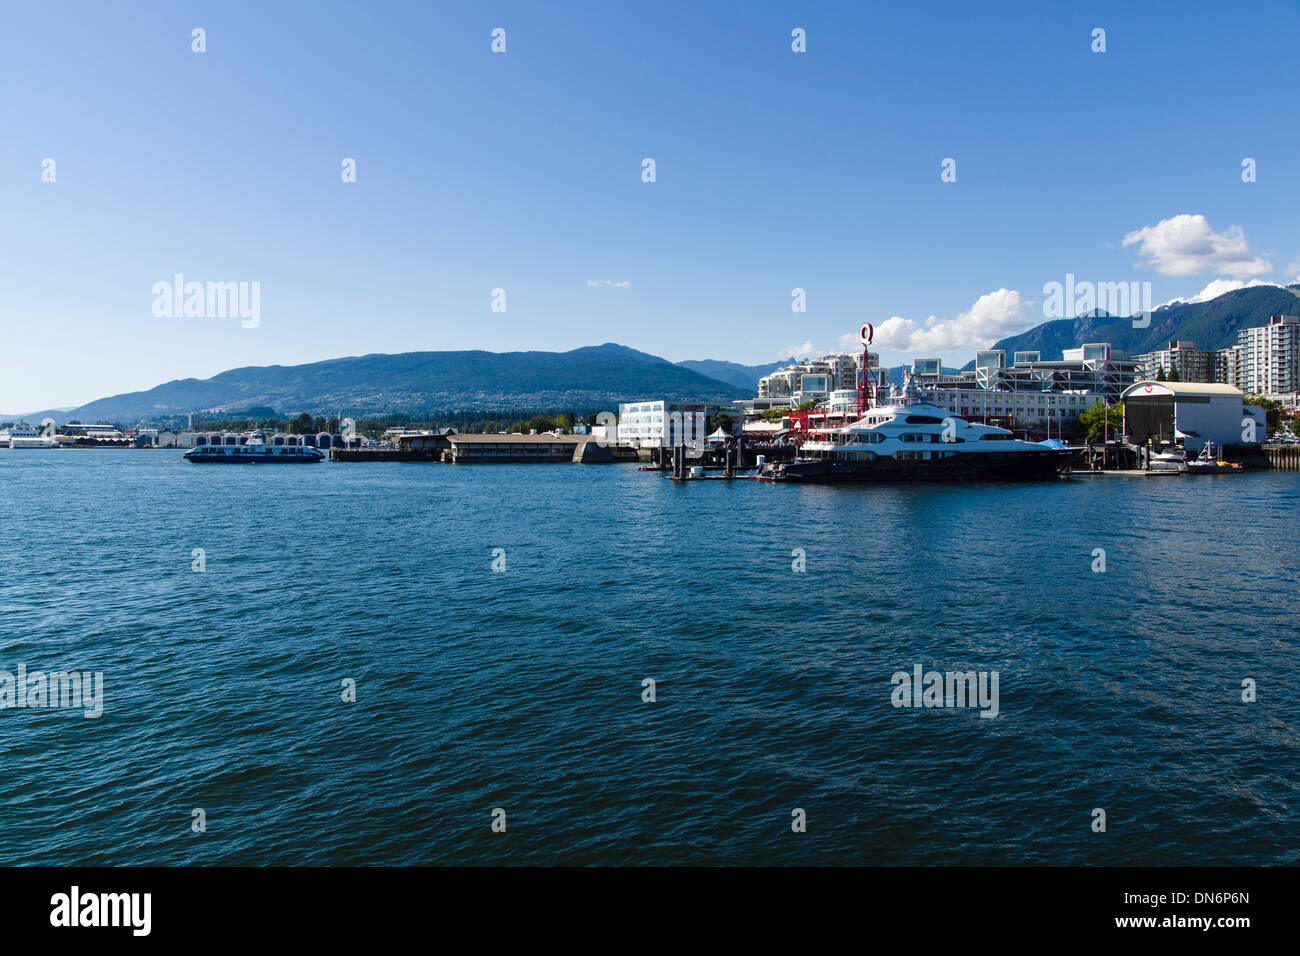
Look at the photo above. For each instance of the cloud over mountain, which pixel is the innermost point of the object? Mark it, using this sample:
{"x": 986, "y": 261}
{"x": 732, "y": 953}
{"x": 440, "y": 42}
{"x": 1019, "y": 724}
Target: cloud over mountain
{"x": 993, "y": 316}
{"x": 1216, "y": 289}
{"x": 1186, "y": 245}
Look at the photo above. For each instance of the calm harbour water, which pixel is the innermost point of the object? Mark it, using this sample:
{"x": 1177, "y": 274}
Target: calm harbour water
{"x": 522, "y": 689}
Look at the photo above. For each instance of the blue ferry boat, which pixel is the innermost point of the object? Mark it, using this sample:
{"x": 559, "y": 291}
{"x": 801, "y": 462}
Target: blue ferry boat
{"x": 255, "y": 452}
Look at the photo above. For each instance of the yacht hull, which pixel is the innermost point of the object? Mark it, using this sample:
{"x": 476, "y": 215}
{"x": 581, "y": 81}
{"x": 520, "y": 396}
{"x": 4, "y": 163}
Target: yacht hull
{"x": 1020, "y": 466}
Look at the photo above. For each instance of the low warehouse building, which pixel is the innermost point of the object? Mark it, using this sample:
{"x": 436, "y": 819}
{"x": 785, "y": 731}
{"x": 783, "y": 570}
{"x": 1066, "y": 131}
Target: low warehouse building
{"x": 1190, "y": 412}
{"x": 466, "y": 449}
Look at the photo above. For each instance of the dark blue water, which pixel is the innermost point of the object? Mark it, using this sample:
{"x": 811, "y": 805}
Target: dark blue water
{"x": 522, "y": 689}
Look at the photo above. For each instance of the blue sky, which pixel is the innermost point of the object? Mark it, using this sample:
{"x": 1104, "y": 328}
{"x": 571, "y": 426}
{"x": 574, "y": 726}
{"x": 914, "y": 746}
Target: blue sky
{"x": 522, "y": 171}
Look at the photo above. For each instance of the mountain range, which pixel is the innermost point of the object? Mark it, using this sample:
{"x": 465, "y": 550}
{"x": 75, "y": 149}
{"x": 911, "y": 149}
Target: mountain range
{"x": 742, "y": 376}
{"x": 595, "y": 377}
{"x": 1210, "y": 325}
{"x": 602, "y": 376}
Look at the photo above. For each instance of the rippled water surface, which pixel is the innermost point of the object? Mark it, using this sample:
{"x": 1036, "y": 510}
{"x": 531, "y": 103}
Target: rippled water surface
{"x": 521, "y": 689}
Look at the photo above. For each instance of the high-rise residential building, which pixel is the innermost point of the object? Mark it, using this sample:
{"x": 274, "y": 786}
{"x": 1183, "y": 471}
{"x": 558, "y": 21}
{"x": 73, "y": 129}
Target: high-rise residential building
{"x": 1225, "y": 367}
{"x": 1268, "y": 357}
{"x": 1180, "y": 356}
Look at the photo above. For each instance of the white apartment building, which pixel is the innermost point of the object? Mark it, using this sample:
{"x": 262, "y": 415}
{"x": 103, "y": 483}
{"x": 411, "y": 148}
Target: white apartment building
{"x": 1268, "y": 357}
{"x": 814, "y": 379}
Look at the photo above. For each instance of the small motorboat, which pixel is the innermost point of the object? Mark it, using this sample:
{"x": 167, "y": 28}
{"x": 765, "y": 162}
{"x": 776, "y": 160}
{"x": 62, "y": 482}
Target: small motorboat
{"x": 1207, "y": 463}
{"x": 1171, "y": 459}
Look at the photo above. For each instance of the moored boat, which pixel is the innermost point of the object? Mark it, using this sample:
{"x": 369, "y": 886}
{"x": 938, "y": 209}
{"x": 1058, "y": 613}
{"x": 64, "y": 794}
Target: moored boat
{"x": 1171, "y": 459}
{"x": 913, "y": 440}
{"x": 1207, "y": 463}
{"x": 254, "y": 452}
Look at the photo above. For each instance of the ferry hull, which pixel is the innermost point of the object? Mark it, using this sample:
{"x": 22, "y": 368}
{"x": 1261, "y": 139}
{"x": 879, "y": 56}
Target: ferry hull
{"x": 1023, "y": 466}
{"x": 254, "y": 459}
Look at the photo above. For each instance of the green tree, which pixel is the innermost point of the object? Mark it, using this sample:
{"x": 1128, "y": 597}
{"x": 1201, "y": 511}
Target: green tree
{"x": 300, "y": 425}
{"x": 1272, "y": 410}
{"x": 1099, "y": 421}
{"x": 1160, "y": 373}
{"x": 1173, "y": 375}
{"x": 719, "y": 420}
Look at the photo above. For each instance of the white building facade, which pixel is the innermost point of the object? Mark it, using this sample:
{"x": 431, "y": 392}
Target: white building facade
{"x": 663, "y": 424}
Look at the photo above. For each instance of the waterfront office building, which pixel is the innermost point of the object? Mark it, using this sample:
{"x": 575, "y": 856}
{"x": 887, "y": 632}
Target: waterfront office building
{"x": 1030, "y": 391}
{"x": 663, "y": 424}
{"x": 1191, "y": 412}
{"x": 1023, "y": 407}
{"x": 1092, "y": 368}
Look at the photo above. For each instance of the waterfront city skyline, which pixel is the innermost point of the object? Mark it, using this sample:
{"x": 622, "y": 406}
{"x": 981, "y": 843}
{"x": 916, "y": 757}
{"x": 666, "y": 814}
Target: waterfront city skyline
{"x": 523, "y": 171}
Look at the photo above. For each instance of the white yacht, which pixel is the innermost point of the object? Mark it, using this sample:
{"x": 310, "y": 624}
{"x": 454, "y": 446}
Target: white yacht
{"x": 910, "y": 439}
{"x": 1171, "y": 458}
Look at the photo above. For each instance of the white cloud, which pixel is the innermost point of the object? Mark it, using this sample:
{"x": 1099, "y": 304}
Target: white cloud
{"x": 995, "y": 315}
{"x": 1293, "y": 271}
{"x": 800, "y": 351}
{"x": 1216, "y": 289}
{"x": 1185, "y": 245}
{"x": 595, "y": 283}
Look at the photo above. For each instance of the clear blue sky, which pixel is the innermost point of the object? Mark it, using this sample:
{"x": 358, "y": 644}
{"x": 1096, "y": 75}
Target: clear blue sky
{"x": 522, "y": 170}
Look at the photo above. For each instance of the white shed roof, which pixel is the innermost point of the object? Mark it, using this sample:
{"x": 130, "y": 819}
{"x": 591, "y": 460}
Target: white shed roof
{"x": 1175, "y": 389}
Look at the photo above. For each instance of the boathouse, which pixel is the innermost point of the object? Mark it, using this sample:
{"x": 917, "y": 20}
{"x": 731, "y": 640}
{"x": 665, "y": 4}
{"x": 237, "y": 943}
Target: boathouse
{"x": 1190, "y": 412}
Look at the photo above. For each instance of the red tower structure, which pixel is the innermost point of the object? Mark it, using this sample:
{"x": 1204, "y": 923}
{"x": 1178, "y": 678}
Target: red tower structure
{"x": 866, "y": 387}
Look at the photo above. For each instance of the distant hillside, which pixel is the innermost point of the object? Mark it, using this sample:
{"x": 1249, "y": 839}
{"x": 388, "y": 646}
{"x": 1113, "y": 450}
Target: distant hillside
{"x": 421, "y": 382}
{"x": 747, "y": 376}
{"x": 742, "y": 376}
{"x": 1211, "y": 325}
